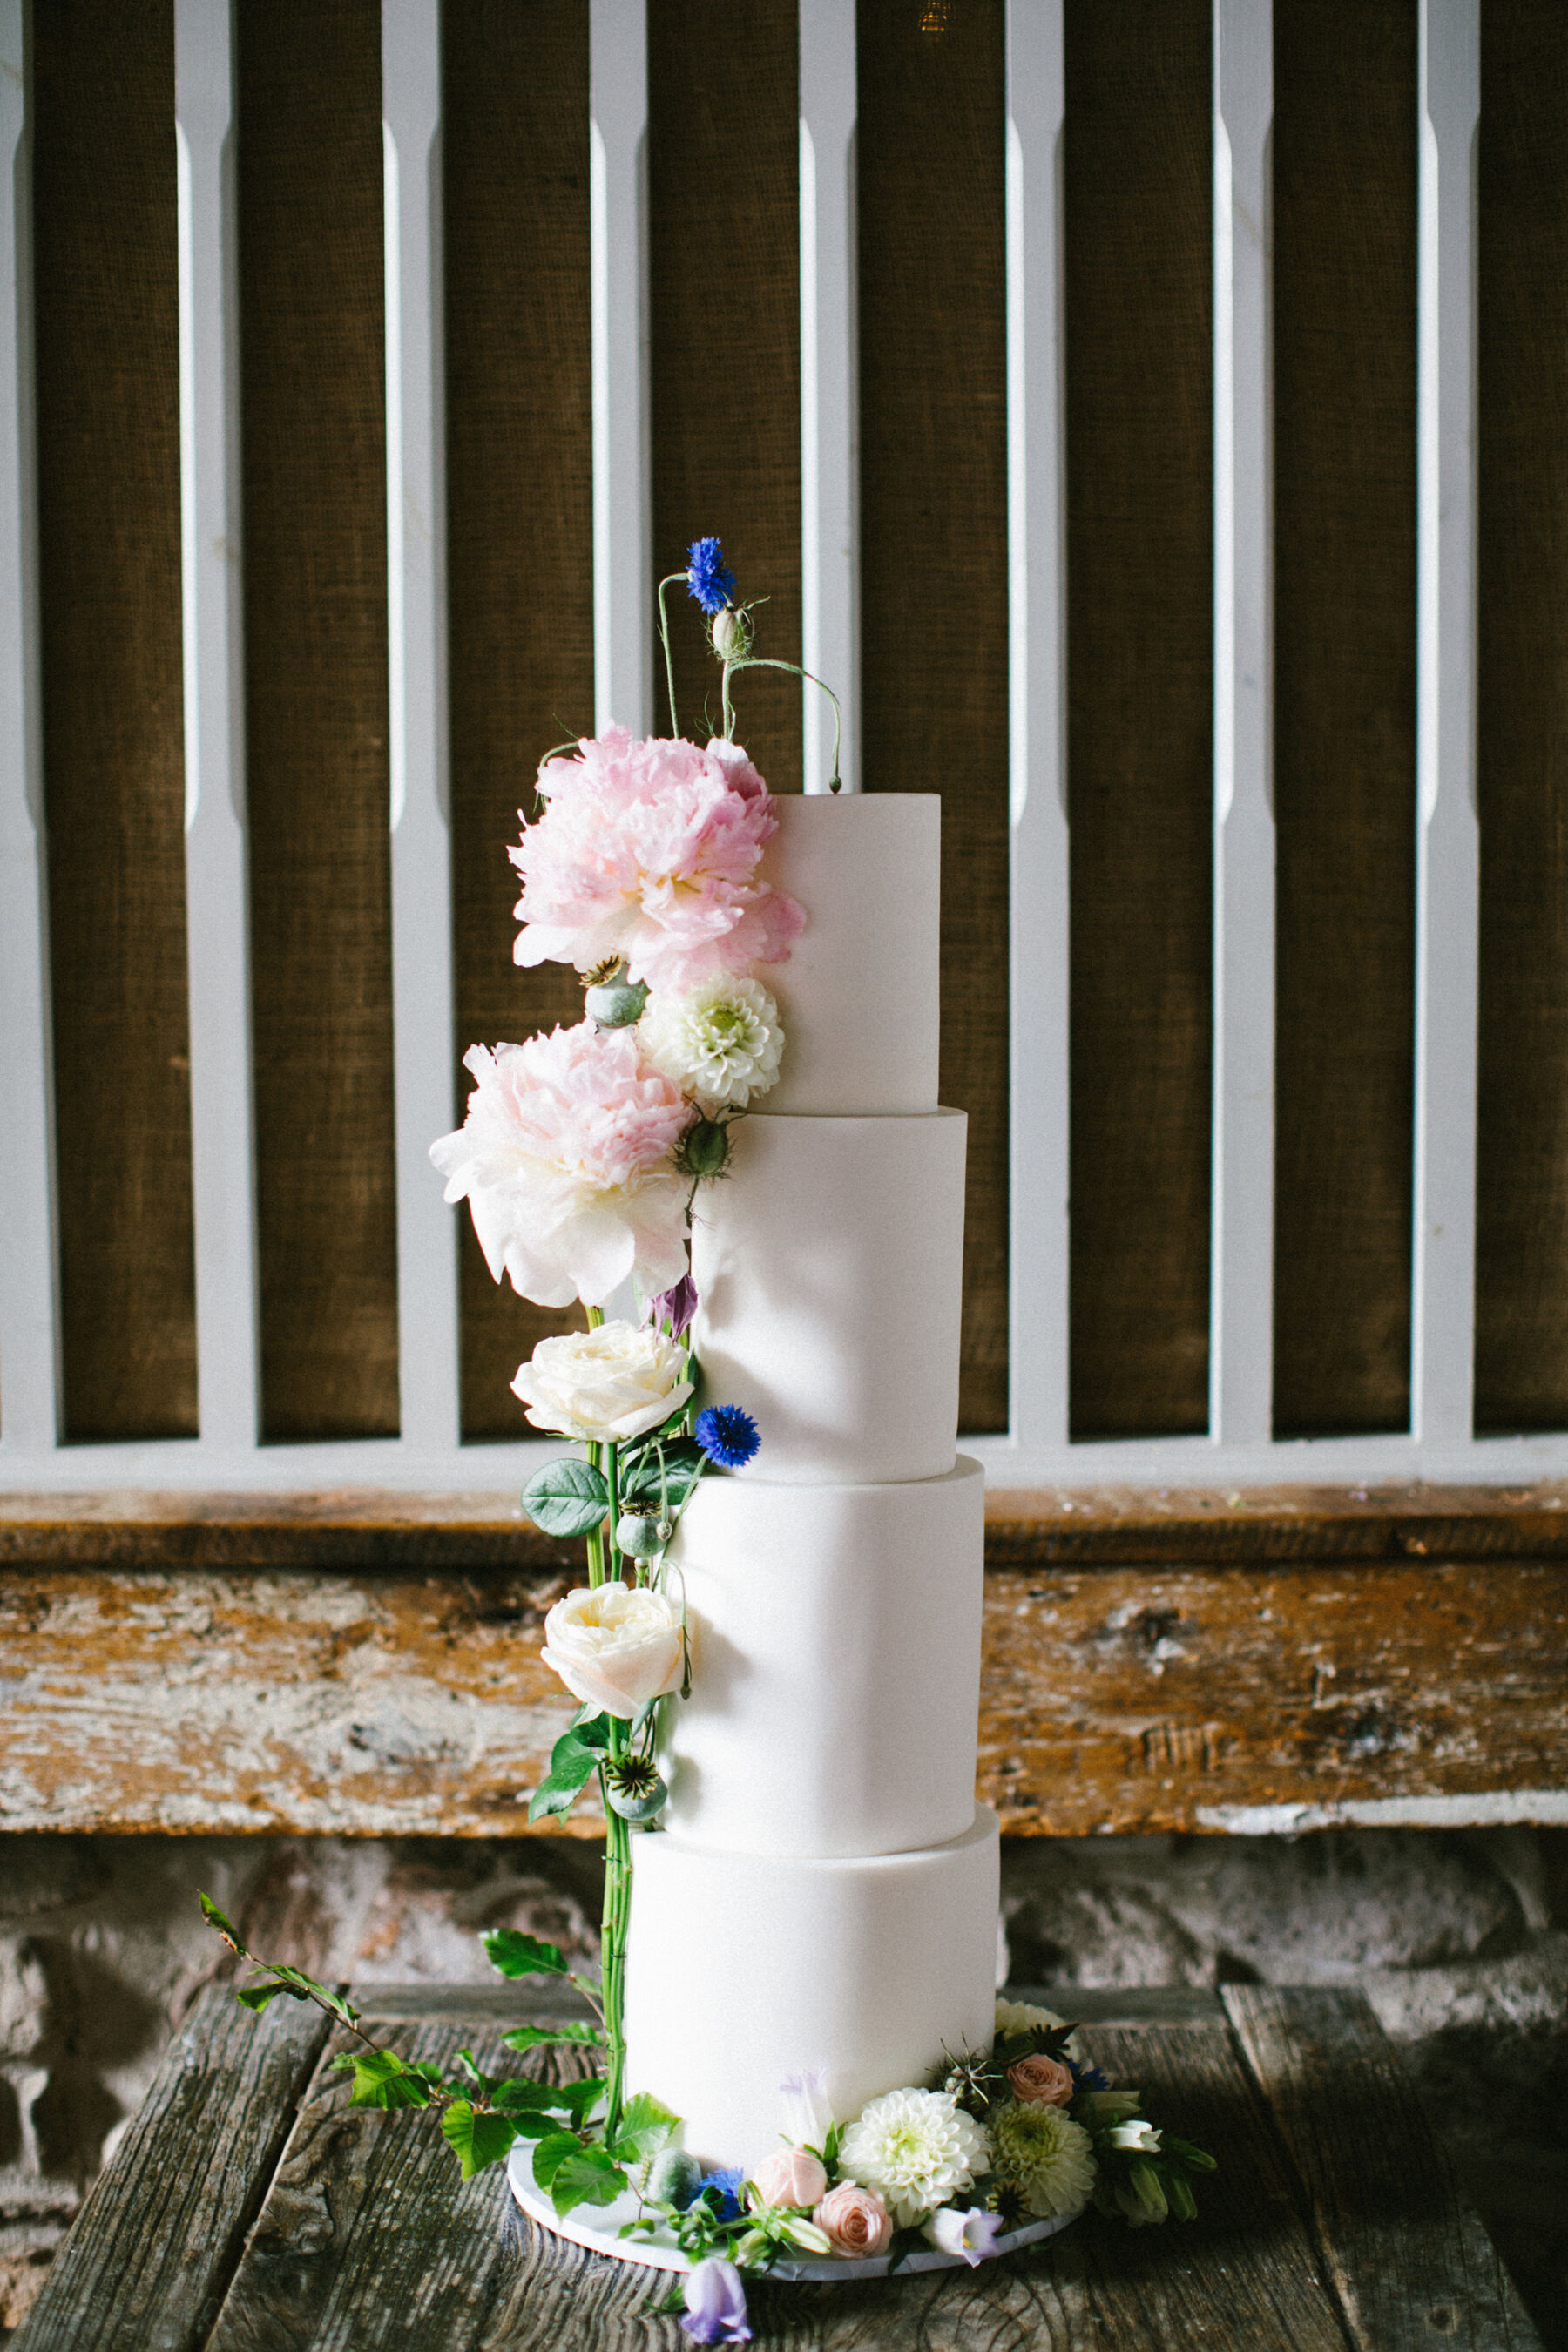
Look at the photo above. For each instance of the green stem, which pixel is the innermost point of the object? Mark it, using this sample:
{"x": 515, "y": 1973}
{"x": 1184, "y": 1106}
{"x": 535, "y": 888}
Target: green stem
{"x": 668, "y": 582}
{"x": 612, "y": 1964}
{"x": 760, "y": 661}
{"x": 594, "y": 1454}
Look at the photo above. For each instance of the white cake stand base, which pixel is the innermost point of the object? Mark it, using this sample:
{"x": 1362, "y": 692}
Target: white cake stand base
{"x": 597, "y": 2227}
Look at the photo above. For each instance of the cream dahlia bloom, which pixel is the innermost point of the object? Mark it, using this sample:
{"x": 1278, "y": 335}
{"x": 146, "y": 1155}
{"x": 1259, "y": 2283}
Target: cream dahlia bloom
{"x": 917, "y": 2150}
{"x": 720, "y": 1041}
{"x": 564, "y": 1161}
{"x": 615, "y": 1647}
{"x": 1044, "y": 2157}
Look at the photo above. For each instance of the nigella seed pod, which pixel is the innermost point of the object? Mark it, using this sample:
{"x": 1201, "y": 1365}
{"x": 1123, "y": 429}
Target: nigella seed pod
{"x": 726, "y": 630}
{"x": 705, "y": 1148}
{"x": 640, "y": 1537}
{"x": 615, "y": 1003}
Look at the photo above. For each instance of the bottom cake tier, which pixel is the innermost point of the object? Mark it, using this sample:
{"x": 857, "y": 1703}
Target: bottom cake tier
{"x": 746, "y": 1969}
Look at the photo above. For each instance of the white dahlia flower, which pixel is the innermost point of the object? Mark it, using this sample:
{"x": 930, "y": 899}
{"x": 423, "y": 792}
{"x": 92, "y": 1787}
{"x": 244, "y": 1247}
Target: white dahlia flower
{"x": 917, "y": 2150}
{"x": 719, "y": 1041}
{"x": 1018, "y": 2016}
{"x": 1042, "y": 2156}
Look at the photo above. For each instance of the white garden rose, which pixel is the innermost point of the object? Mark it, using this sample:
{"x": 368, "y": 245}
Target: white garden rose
{"x": 613, "y": 1384}
{"x": 614, "y": 1648}
{"x": 720, "y": 1041}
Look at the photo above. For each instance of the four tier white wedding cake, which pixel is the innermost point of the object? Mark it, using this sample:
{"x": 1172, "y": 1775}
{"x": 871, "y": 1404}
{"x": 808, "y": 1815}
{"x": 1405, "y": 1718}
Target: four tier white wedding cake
{"x": 823, "y": 1897}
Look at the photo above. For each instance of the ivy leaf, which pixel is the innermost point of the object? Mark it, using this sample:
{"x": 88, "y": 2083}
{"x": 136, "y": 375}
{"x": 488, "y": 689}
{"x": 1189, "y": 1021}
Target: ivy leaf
{"x": 551, "y": 2152}
{"x": 645, "y": 2126}
{"x": 478, "y": 2137}
{"x": 534, "y": 2037}
{"x": 567, "y": 1497}
{"x": 517, "y": 1955}
{"x": 588, "y": 2177}
{"x": 572, "y": 1767}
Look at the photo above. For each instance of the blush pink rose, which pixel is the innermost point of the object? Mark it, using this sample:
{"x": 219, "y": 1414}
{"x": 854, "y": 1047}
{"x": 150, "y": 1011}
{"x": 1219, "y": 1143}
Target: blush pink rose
{"x": 648, "y": 850}
{"x": 791, "y": 2177}
{"x": 854, "y": 2220}
{"x": 1041, "y": 2082}
{"x": 564, "y": 1161}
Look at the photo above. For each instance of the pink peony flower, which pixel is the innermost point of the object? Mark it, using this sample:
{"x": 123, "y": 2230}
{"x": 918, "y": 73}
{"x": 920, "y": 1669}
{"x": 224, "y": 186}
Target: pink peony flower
{"x": 1041, "y": 2082}
{"x": 856, "y": 2220}
{"x": 792, "y": 2177}
{"x": 648, "y": 850}
{"x": 564, "y": 1161}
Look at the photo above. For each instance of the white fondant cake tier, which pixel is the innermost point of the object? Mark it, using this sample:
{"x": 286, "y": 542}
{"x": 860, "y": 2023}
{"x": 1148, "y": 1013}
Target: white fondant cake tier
{"x": 829, "y": 1270}
{"x": 835, "y": 1665}
{"x": 744, "y": 1969}
{"x": 859, "y": 995}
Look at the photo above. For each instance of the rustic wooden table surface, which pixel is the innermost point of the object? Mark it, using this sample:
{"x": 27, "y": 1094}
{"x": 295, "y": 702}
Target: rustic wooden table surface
{"x": 250, "y": 2209}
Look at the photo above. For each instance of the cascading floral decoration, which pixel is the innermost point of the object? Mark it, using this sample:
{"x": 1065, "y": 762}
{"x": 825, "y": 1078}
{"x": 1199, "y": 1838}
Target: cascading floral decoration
{"x": 580, "y": 1158}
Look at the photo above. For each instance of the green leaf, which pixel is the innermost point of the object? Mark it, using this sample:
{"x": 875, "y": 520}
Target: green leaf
{"x": 215, "y": 1919}
{"x": 478, "y": 2137}
{"x": 593, "y": 1730}
{"x": 383, "y": 2079}
{"x": 683, "y": 1461}
{"x": 572, "y": 1766}
{"x": 645, "y": 2126}
{"x": 517, "y": 1955}
{"x": 553, "y": 2152}
{"x": 567, "y": 1497}
{"x": 304, "y": 1988}
{"x": 579, "y": 2099}
{"x": 534, "y": 2037}
{"x": 1198, "y": 2158}
{"x": 257, "y": 1996}
{"x": 588, "y": 2178}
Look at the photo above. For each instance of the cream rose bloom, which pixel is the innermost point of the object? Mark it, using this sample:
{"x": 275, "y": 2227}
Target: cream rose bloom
{"x": 614, "y": 1648}
{"x": 614, "y": 1382}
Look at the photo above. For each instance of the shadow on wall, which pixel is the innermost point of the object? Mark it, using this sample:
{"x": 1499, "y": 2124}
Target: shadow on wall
{"x": 1460, "y": 1941}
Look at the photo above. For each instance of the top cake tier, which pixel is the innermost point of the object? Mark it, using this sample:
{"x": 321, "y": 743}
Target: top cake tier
{"x": 860, "y": 997}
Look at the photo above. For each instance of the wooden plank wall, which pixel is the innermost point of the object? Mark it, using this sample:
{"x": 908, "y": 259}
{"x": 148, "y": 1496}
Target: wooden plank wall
{"x": 725, "y": 421}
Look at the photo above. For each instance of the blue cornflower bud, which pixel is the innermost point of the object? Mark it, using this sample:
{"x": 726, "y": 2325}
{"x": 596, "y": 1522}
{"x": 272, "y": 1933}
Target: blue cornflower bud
{"x": 708, "y": 577}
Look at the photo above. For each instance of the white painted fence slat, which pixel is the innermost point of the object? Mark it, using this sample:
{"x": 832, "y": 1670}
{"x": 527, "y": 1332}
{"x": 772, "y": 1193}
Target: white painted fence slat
{"x": 1448, "y": 838}
{"x": 424, "y": 1064}
{"x": 623, "y": 526}
{"x": 217, "y": 920}
{"x": 1037, "y": 1284}
{"x": 830, "y": 398}
{"x": 29, "y": 1341}
{"x": 1241, "y": 1263}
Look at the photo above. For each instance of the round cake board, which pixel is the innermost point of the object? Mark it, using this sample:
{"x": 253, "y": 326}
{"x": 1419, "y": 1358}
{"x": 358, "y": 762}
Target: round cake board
{"x": 596, "y": 2227}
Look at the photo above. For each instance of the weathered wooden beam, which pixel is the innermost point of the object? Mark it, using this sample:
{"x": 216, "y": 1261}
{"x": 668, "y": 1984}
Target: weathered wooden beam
{"x": 1117, "y": 1698}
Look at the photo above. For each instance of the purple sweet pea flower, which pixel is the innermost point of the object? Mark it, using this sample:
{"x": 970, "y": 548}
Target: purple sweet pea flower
{"x": 678, "y": 1305}
{"x": 716, "y": 2304}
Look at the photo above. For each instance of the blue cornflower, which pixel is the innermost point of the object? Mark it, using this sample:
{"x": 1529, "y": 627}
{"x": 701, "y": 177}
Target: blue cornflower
{"x": 708, "y": 577}
{"x": 727, "y": 1435}
{"x": 1087, "y": 2078}
{"x": 726, "y": 2188}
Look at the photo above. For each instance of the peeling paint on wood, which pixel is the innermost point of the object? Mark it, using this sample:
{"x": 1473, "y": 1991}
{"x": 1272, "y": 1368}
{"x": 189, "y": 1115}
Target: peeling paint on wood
{"x": 1114, "y": 1699}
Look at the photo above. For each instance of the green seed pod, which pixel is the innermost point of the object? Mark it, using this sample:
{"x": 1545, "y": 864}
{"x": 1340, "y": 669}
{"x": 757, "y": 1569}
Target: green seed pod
{"x": 647, "y": 1797}
{"x": 615, "y": 1003}
{"x": 640, "y": 1537}
{"x": 705, "y": 1148}
{"x": 672, "y": 2179}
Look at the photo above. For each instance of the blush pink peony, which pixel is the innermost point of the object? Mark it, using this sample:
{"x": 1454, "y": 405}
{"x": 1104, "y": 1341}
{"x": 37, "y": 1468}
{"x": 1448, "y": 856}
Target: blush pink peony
{"x": 648, "y": 850}
{"x": 564, "y": 1161}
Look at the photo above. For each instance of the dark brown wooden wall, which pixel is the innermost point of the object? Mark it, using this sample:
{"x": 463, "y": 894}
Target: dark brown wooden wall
{"x": 722, "y": 170}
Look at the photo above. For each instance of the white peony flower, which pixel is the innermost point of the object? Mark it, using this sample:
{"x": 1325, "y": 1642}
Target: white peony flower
{"x": 720, "y": 1041}
{"x": 613, "y": 1384}
{"x": 916, "y": 2149}
{"x": 1043, "y": 2156}
{"x": 614, "y": 1648}
{"x": 973, "y": 2234}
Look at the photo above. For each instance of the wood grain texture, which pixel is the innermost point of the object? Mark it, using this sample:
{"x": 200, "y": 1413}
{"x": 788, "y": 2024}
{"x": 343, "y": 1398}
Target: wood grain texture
{"x": 107, "y": 329}
{"x": 312, "y": 283}
{"x": 1113, "y": 1699}
{"x": 146, "y": 2265}
{"x": 933, "y": 522}
{"x": 1522, "y": 777}
{"x": 1137, "y": 192}
{"x": 723, "y": 168}
{"x": 519, "y": 528}
{"x": 1409, "y": 2261}
{"x": 1344, "y": 147}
